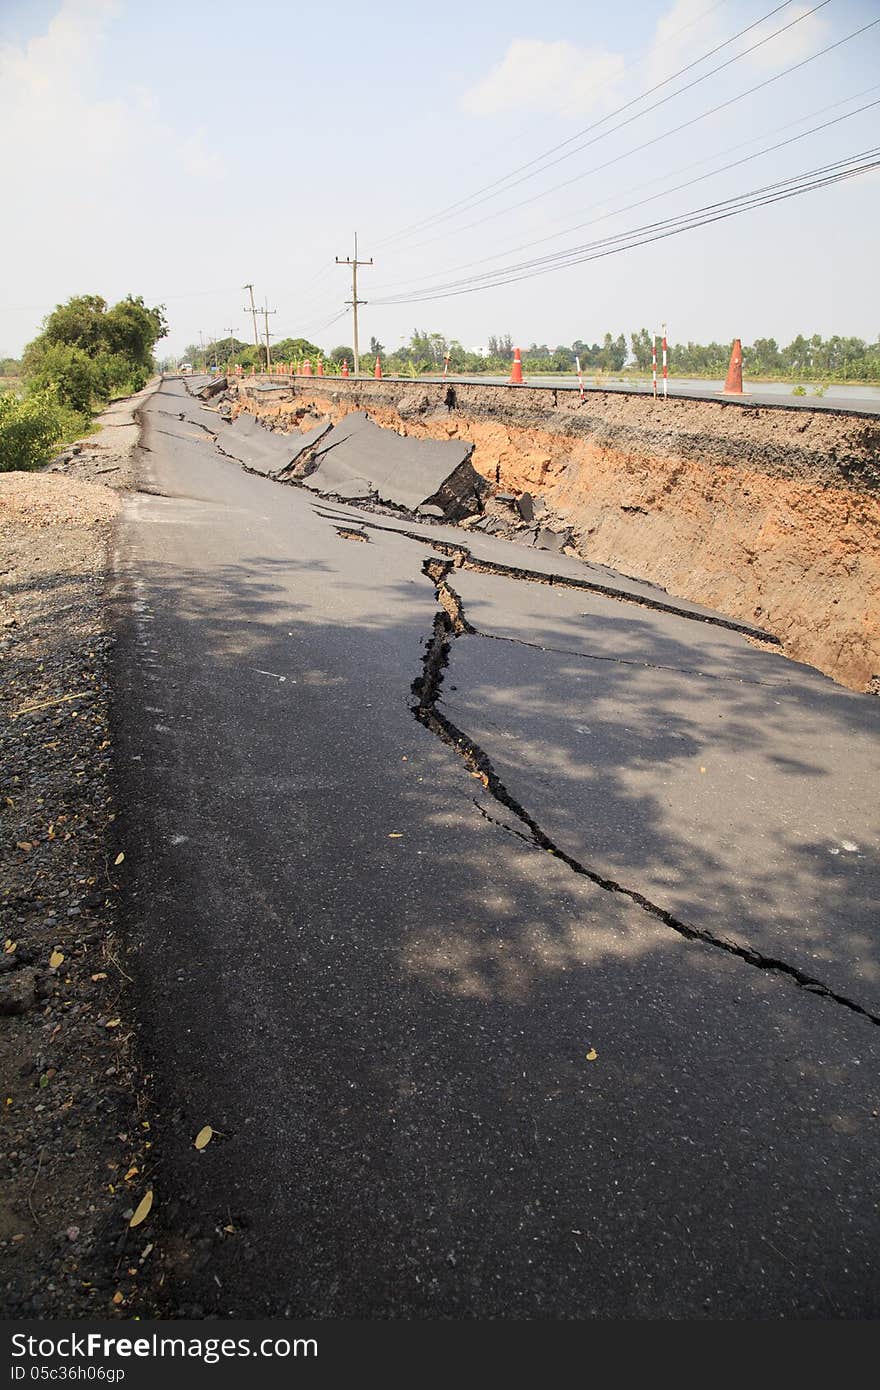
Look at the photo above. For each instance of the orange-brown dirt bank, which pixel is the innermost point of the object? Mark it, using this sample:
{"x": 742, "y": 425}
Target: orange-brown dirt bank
{"x": 770, "y": 515}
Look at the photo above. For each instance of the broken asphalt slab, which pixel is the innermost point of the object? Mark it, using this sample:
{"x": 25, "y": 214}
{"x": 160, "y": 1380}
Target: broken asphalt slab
{"x": 359, "y": 459}
{"x": 517, "y": 561}
{"x": 265, "y": 450}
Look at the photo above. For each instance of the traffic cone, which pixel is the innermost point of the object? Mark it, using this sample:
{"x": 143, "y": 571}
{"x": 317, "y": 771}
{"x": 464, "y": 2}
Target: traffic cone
{"x": 345, "y": 371}
{"x": 320, "y": 371}
{"x": 307, "y": 367}
{"x": 377, "y": 370}
{"x": 516, "y": 376}
{"x": 733, "y": 386}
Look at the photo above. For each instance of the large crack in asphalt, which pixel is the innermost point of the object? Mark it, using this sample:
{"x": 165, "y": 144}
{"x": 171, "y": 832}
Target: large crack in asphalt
{"x": 450, "y": 622}
{"x": 463, "y": 558}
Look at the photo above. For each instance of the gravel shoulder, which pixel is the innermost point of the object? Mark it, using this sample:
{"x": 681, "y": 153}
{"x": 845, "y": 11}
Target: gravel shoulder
{"x": 76, "y": 1133}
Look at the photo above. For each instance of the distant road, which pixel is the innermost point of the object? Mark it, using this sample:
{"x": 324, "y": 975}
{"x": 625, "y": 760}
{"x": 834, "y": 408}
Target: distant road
{"x": 853, "y": 400}
{"x": 858, "y": 399}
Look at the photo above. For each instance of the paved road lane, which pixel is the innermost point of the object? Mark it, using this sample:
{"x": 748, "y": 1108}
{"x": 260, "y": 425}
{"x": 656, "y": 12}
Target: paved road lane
{"x": 450, "y": 1077}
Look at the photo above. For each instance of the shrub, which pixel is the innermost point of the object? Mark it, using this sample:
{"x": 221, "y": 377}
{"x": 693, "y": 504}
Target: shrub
{"x": 76, "y": 379}
{"x": 29, "y": 427}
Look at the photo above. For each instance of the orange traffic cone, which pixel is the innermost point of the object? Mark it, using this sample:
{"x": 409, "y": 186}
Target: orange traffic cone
{"x": 307, "y": 367}
{"x": 345, "y": 371}
{"x": 734, "y": 384}
{"x": 377, "y": 370}
{"x": 320, "y": 371}
{"x": 516, "y": 376}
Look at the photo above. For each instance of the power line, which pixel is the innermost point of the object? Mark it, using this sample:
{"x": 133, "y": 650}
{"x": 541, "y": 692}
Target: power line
{"x": 634, "y": 63}
{"x": 646, "y": 144}
{"x": 822, "y": 177}
{"x": 677, "y": 188}
{"x": 474, "y": 199}
{"x": 572, "y": 254}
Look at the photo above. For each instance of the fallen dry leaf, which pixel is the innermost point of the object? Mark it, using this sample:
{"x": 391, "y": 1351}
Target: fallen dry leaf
{"x": 592, "y": 1055}
{"x": 119, "y": 858}
{"x": 24, "y": 845}
{"x": 396, "y": 835}
{"x": 56, "y": 959}
{"x": 203, "y": 1138}
{"x": 100, "y": 975}
{"x": 142, "y": 1210}
{"x": 117, "y": 1298}
{"x": 113, "y": 1023}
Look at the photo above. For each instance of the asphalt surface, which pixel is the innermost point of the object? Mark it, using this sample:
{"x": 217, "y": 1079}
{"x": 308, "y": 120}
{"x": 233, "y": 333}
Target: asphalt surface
{"x": 451, "y": 1074}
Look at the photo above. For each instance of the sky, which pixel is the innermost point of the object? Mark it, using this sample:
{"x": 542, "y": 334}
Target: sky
{"x": 181, "y": 151}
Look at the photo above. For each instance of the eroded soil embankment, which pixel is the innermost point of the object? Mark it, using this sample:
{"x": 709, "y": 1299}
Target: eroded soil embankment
{"x": 770, "y": 515}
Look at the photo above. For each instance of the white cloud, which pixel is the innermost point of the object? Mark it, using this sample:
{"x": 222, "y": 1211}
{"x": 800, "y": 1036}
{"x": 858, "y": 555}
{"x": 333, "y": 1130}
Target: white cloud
{"x": 536, "y": 75}
{"x": 682, "y": 34}
{"x": 64, "y": 134}
{"x": 561, "y": 78}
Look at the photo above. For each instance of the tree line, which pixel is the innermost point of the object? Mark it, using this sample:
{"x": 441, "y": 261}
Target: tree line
{"x": 805, "y": 358}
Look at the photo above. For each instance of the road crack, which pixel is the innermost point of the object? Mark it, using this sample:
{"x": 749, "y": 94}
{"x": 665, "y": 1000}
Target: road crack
{"x": 450, "y": 622}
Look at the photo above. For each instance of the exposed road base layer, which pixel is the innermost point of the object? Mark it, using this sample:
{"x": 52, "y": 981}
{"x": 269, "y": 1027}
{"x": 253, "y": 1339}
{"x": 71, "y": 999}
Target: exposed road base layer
{"x": 770, "y": 515}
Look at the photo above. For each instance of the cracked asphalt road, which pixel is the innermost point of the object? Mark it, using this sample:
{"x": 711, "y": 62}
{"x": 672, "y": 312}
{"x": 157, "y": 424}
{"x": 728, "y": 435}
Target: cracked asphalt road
{"x": 449, "y": 1075}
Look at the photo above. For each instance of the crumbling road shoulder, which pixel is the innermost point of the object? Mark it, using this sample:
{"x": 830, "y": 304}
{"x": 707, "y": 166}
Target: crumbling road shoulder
{"x": 75, "y": 1140}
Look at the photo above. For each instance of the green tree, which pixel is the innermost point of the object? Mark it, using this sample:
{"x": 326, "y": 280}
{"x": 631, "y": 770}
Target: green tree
{"x": 642, "y": 348}
{"x": 75, "y": 378}
{"x": 85, "y": 352}
{"x": 28, "y": 429}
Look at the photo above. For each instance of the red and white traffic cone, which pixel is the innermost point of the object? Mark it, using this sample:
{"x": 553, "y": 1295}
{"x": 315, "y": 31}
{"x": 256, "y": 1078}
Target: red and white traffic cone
{"x": 320, "y": 371}
{"x": 516, "y": 376}
{"x": 345, "y": 371}
{"x": 577, "y": 363}
{"x": 377, "y": 370}
{"x": 307, "y": 367}
{"x": 733, "y": 386}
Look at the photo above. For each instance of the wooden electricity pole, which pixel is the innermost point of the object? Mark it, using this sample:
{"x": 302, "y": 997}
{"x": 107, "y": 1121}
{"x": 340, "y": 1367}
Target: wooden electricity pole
{"x": 231, "y": 332}
{"x": 266, "y": 312}
{"x": 253, "y": 312}
{"x": 354, "y": 301}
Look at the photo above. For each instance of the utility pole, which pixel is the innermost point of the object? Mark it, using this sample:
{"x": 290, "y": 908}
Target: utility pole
{"x": 253, "y": 312}
{"x": 266, "y": 312}
{"x": 354, "y": 301}
{"x": 231, "y": 332}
